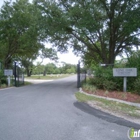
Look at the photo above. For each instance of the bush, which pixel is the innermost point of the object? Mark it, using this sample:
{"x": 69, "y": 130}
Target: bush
{"x": 104, "y": 72}
{"x": 119, "y": 83}
{"x": 134, "y": 62}
{"x": 1, "y": 74}
{"x": 89, "y": 87}
{"x": 3, "y": 79}
{"x": 98, "y": 82}
{"x": 109, "y": 85}
{"x": 3, "y": 85}
{"x": 137, "y": 86}
{"x": 104, "y": 79}
{"x": 102, "y": 83}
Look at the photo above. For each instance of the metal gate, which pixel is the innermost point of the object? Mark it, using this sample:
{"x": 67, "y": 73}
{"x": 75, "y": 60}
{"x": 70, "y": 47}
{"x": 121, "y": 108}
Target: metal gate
{"x": 81, "y": 75}
{"x": 18, "y": 75}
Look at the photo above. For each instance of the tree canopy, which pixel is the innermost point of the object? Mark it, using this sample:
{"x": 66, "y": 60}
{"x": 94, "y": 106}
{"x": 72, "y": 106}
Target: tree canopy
{"x": 100, "y": 30}
{"x": 103, "y": 29}
{"x": 21, "y": 34}
{"x": 18, "y": 31}
{"x": 52, "y": 68}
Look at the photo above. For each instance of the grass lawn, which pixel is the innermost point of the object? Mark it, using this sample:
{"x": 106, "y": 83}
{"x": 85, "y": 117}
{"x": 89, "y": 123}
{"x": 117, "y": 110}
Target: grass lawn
{"x": 27, "y": 83}
{"x": 111, "y": 106}
{"x": 48, "y": 77}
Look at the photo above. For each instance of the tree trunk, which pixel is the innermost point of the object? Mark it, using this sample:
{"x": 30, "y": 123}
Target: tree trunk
{"x": 29, "y": 72}
{"x": 7, "y": 64}
{"x": 44, "y": 74}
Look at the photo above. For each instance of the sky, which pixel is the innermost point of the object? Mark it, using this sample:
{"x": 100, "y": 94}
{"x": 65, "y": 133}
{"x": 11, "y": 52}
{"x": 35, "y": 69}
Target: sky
{"x": 65, "y": 57}
{"x": 1, "y": 2}
{"x": 69, "y": 57}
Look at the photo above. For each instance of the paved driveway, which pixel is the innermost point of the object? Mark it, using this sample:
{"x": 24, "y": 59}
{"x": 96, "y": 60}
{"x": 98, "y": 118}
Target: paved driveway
{"x": 50, "y": 111}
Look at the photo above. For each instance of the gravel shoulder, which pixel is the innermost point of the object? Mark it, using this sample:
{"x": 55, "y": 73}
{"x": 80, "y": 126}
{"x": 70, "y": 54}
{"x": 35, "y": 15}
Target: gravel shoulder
{"x": 115, "y": 113}
{"x": 100, "y": 106}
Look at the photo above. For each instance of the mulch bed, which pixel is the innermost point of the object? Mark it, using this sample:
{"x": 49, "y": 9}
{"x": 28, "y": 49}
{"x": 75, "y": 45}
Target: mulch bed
{"x": 125, "y": 96}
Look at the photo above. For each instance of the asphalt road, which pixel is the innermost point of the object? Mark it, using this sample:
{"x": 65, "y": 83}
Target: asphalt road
{"x": 50, "y": 111}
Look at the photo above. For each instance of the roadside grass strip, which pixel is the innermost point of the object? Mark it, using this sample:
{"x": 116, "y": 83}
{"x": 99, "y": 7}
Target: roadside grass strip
{"x": 27, "y": 83}
{"x": 113, "y": 106}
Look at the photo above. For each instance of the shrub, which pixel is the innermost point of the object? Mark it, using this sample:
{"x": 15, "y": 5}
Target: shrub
{"x": 134, "y": 62}
{"x": 89, "y": 87}
{"x": 119, "y": 83}
{"x": 104, "y": 79}
{"x": 4, "y": 80}
{"x": 3, "y": 85}
{"x": 98, "y": 82}
{"x": 137, "y": 86}
{"x": 92, "y": 88}
{"x": 104, "y": 72}
{"x": 102, "y": 83}
{"x": 86, "y": 86}
{"x": 109, "y": 85}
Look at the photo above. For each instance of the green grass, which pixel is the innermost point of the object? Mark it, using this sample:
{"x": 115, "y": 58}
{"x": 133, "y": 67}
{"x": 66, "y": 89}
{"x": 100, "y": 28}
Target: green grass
{"x": 89, "y": 87}
{"x": 3, "y": 86}
{"x": 110, "y": 105}
{"x": 27, "y": 83}
{"x": 48, "y": 77}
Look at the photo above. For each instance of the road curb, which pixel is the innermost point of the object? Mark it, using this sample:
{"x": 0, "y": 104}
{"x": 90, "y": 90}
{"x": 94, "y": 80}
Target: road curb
{"x": 111, "y": 99}
{"x": 7, "y": 88}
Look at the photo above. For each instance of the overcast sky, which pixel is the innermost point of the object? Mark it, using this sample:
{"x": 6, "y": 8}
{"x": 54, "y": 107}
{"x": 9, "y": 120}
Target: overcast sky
{"x": 1, "y": 3}
{"x": 67, "y": 57}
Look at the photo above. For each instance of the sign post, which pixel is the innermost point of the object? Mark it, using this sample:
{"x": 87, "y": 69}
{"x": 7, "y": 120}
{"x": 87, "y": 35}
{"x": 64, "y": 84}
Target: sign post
{"x": 125, "y": 72}
{"x": 8, "y": 72}
{"x": 124, "y": 84}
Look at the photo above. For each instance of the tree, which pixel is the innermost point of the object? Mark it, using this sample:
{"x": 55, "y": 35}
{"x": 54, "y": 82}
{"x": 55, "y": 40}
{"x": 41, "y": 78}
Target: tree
{"x": 133, "y": 61}
{"x": 114, "y": 25}
{"x": 68, "y": 68}
{"x": 48, "y": 53}
{"x": 28, "y": 65}
{"x": 50, "y": 68}
{"x": 27, "y": 59}
{"x": 39, "y": 69}
{"x": 19, "y": 33}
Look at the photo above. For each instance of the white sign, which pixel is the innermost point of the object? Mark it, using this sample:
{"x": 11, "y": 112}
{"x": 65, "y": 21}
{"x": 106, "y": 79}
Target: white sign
{"x": 8, "y": 72}
{"x": 125, "y": 72}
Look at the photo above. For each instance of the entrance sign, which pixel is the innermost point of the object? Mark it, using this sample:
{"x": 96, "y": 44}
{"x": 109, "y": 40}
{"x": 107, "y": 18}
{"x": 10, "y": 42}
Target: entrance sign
{"x": 8, "y": 72}
{"x": 124, "y": 72}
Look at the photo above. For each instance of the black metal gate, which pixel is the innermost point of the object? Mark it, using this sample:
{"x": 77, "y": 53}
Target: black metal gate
{"x": 81, "y": 75}
{"x": 18, "y": 75}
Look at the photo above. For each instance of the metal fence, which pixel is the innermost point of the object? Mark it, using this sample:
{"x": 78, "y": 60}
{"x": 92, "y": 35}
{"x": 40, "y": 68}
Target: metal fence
{"x": 81, "y": 75}
{"x": 18, "y": 75}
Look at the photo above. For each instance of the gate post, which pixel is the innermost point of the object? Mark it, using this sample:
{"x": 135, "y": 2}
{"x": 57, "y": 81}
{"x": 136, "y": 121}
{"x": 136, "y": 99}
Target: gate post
{"x": 18, "y": 76}
{"x": 78, "y": 75}
{"x": 15, "y": 73}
